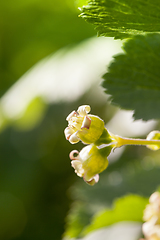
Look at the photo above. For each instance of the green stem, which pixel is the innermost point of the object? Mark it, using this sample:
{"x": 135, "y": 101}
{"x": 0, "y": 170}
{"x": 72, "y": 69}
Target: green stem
{"x": 120, "y": 141}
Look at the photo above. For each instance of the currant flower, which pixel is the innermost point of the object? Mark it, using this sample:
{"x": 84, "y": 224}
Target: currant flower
{"x": 89, "y": 162}
{"x": 151, "y": 228}
{"x": 153, "y": 208}
{"x": 83, "y": 126}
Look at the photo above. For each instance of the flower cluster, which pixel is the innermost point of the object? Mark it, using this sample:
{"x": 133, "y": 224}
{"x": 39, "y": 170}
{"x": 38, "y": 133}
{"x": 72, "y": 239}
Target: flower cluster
{"x": 151, "y": 228}
{"x": 92, "y": 159}
{"x": 89, "y": 129}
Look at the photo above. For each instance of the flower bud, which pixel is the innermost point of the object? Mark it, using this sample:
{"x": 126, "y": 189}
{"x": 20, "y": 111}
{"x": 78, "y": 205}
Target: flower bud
{"x": 154, "y": 135}
{"x": 89, "y": 162}
{"x": 83, "y": 126}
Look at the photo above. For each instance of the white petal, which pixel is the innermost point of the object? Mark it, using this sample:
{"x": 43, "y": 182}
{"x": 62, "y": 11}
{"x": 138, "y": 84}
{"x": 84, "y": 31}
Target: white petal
{"x": 77, "y": 165}
{"x": 85, "y": 153}
{"x": 86, "y": 122}
{"x": 72, "y": 114}
{"x": 84, "y": 109}
{"x": 73, "y": 138}
{"x": 149, "y": 227}
{"x": 68, "y": 132}
{"x": 93, "y": 180}
{"x": 155, "y": 198}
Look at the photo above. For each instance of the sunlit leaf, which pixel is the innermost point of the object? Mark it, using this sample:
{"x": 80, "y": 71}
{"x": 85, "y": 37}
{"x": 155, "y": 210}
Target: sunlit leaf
{"x": 133, "y": 78}
{"x": 128, "y": 208}
{"x": 32, "y": 115}
{"x": 122, "y": 18}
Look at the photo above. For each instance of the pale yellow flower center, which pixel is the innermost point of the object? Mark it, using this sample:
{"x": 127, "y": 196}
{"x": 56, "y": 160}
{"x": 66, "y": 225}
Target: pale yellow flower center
{"x": 76, "y": 122}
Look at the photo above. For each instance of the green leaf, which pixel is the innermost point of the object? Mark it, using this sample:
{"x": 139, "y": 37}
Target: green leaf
{"x": 133, "y": 78}
{"x": 80, "y": 3}
{"x": 123, "y": 18}
{"x": 128, "y": 208}
{"x": 32, "y": 115}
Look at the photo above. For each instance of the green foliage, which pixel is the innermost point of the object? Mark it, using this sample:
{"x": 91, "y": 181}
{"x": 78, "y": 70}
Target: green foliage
{"x": 32, "y": 115}
{"x": 80, "y": 3}
{"x": 31, "y": 30}
{"x": 128, "y": 208}
{"x": 122, "y": 18}
{"x": 77, "y": 219}
{"x": 9, "y": 208}
{"x": 133, "y": 78}
{"x": 35, "y": 167}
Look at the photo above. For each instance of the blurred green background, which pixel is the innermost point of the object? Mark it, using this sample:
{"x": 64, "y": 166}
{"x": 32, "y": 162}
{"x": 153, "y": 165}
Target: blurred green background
{"x": 34, "y": 172}
{"x": 37, "y": 184}
{"x": 31, "y": 30}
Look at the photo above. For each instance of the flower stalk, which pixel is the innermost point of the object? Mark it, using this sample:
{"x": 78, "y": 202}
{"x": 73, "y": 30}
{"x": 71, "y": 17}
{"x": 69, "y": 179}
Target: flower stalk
{"x": 121, "y": 141}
